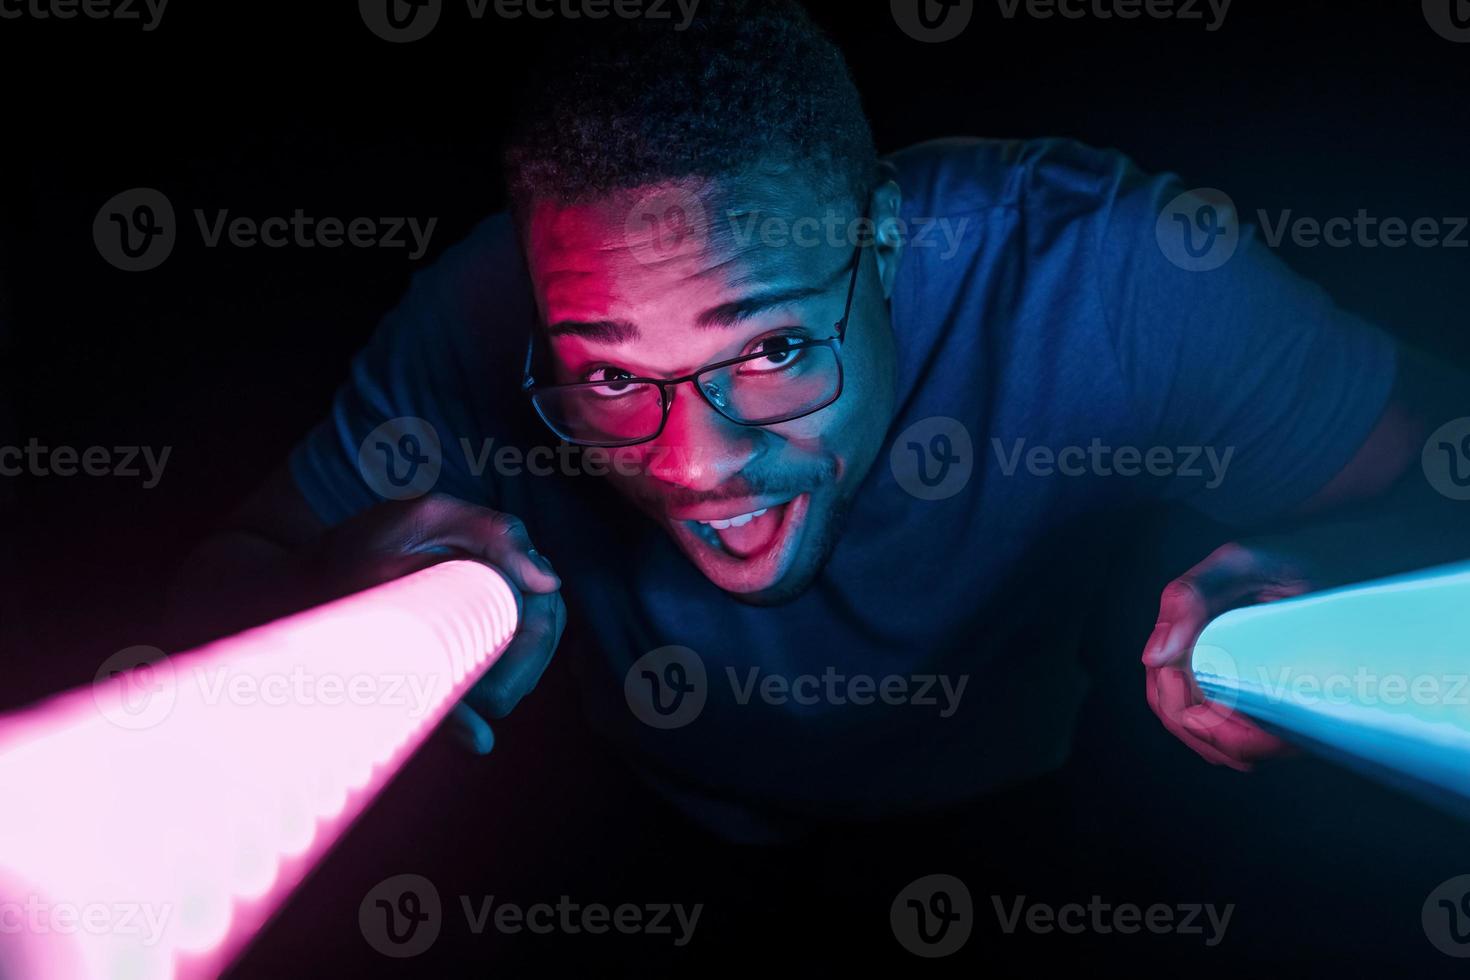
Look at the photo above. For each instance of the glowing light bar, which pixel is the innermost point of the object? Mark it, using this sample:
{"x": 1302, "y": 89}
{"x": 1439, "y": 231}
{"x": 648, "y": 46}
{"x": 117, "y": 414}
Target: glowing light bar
{"x": 150, "y": 826}
{"x": 1376, "y": 676}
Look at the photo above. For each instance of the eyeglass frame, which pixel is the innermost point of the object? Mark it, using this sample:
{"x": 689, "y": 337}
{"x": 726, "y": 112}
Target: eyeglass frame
{"x": 666, "y": 386}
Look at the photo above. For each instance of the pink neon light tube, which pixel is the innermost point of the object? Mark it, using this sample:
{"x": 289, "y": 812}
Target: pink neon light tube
{"x": 150, "y": 825}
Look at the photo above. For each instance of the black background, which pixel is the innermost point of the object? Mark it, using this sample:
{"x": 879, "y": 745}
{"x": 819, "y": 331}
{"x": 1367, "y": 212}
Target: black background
{"x": 227, "y": 355}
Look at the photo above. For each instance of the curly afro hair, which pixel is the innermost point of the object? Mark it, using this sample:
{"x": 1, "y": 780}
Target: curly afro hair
{"x": 631, "y": 103}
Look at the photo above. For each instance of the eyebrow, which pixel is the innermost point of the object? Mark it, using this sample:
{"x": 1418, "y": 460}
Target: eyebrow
{"x": 602, "y": 331}
{"x": 724, "y": 315}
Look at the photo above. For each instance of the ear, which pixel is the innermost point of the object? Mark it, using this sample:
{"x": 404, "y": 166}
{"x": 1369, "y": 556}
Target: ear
{"x": 888, "y": 226}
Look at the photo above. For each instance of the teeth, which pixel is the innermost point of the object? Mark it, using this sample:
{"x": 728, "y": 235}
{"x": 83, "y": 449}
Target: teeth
{"x": 738, "y": 521}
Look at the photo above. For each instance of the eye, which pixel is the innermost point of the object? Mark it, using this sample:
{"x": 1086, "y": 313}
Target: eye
{"x": 613, "y": 381}
{"x": 780, "y": 352}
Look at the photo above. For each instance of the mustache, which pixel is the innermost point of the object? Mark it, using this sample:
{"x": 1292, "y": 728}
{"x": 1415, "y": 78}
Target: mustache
{"x": 740, "y": 487}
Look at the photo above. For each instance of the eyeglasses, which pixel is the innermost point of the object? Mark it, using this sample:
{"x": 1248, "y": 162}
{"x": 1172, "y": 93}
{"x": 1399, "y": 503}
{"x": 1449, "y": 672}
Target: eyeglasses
{"x": 781, "y": 383}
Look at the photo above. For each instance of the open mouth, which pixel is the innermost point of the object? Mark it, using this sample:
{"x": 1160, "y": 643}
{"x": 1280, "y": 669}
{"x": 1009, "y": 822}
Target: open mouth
{"x": 746, "y": 550}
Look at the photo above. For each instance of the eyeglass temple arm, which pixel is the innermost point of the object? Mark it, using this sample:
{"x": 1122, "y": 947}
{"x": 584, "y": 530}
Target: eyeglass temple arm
{"x": 528, "y": 382}
{"x": 857, "y": 264}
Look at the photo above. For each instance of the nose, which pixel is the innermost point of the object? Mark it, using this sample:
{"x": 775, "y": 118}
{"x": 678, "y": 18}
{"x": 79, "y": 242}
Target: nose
{"x": 699, "y": 448}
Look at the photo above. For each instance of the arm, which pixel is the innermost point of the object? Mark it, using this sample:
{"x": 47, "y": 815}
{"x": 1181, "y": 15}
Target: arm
{"x": 1320, "y": 412}
{"x": 275, "y": 557}
{"x": 317, "y": 529}
{"x": 1378, "y": 516}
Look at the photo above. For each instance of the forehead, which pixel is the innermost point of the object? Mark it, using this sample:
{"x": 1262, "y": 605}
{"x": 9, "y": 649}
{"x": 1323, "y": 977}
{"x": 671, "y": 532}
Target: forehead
{"x": 683, "y": 243}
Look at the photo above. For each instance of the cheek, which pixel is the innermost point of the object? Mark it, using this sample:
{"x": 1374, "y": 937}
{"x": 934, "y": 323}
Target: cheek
{"x": 842, "y": 422}
{"x": 821, "y": 434}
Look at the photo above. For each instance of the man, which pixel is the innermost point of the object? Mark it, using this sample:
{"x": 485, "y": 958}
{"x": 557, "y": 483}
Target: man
{"x": 817, "y": 448}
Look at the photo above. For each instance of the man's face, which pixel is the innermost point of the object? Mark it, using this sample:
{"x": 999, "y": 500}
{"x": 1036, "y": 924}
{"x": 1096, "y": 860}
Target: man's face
{"x": 756, "y": 508}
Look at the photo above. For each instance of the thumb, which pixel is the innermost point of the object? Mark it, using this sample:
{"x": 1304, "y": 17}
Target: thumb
{"x": 1229, "y": 575}
{"x": 1183, "y": 613}
{"x": 472, "y": 731}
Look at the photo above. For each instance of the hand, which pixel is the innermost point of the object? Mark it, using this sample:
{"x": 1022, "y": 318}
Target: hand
{"x": 396, "y": 538}
{"x": 1234, "y": 575}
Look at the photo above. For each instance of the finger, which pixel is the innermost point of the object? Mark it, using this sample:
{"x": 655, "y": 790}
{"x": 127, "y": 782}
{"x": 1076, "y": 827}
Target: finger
{"x": 1183, "y": 612}
{"x": 1188, "y": 603}
{"x": 500, "y": 539}
{"x": 515, "y": 674}
{"x": 1231, "y": 733}
{"x": 1169, "y": 716}
{"x": 1166, "y": 704}
{"x": 472, "y": 731}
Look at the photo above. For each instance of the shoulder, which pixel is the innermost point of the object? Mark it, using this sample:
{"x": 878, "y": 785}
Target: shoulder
{"x": 1044, "y": 181}
{"x": 474, "y": 301}
{"x": 480, "y": 264}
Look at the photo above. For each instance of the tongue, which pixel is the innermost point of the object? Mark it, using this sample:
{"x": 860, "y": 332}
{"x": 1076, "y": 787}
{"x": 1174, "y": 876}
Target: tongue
{"x": 755, "y": 537}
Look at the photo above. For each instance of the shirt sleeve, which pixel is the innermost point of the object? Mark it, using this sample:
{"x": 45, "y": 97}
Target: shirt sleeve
{"x": 1224, "y": 350}
{"x": 441, "y": 369}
